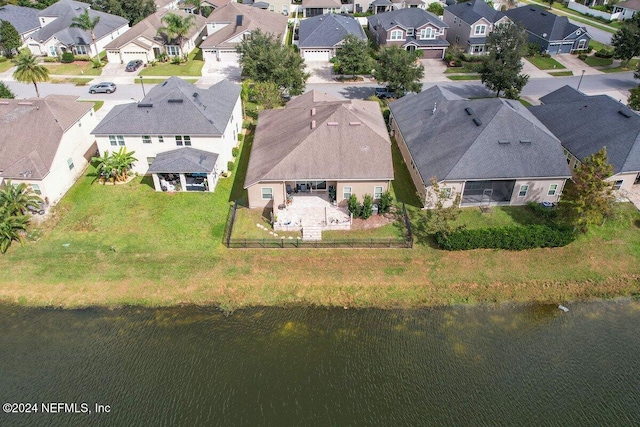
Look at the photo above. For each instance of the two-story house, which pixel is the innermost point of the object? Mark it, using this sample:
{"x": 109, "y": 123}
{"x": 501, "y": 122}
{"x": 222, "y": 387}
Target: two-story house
{"x": 412, "y": 29}
{"x": 470, "y": 23}
{"x": 24, "y": 19}
{"x": 182, "y": 135}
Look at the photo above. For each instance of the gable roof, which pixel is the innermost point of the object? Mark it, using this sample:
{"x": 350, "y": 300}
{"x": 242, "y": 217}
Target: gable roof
{"x": 321, "y": 3}
{"x": 543, "y": 23}
{"x": 184, "y": 160}
{"x": 449, "y": 145}
{"x": 174, "y": 107}
{"x": 472, "y": 11}
{"x": 148, "y": 28}
{"x": 253, "y": 18}
{"x": 65, "y": 11}
{"x": 24, "y": 19}
{"x": 630, "y": 4}
{"x": 584, "y": 124}
{"x": 329, "y": 139}
{"x": 328, "y": 30}
{"x": 407, "y": 18}
{"x": 25, "y": 147}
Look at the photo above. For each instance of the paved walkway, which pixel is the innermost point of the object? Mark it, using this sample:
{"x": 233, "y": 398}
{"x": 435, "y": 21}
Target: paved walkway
{"x": 634, "y": 195}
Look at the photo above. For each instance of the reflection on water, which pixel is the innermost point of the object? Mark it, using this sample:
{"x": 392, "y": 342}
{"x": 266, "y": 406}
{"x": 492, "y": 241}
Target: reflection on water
{"x": 533, "y": 365}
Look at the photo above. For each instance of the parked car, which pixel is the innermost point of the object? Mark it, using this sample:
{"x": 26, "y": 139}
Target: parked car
{"x": 384, "y": 92}
{"x": 133, "y": 65}
{"x": 104, "y": 87}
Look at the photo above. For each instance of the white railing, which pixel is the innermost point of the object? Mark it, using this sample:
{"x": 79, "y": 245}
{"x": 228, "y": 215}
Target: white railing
{"x": 592, "y": 12}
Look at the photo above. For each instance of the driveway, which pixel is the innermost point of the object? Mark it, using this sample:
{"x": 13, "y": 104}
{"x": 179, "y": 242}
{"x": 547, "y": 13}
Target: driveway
{"x": 214, "y": 71}
{"x": 575, "y": 64}
{"x": 321, "y": 72}
{"x": 434, "y": 70}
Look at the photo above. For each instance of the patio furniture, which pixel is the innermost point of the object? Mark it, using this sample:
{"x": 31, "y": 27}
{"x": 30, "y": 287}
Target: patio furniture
{"x": 303, "y": 188}
{"x": 289, "y": 190}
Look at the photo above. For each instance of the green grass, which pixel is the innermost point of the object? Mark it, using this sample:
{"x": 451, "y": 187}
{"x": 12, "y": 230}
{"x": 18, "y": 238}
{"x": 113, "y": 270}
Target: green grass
{"x": 596, "y": 45}
{"x": 5, "y": 65}
{"x": 153, "y": 81}
{"x": 96, "y": 104}
{"x": 594, "y": 61}
{"x": 561, "y": 73}
{"x": 245, "y": 226}
{"x": 78, "y": 81}
{"x": 525, "y": 102}
{"x": 612, "y": 27}
{"x": 543, "y": 63}
{"x": 467, "y": 67}
{"x": 78, "y": 68}
{"x": 193, "y": 67}
{"x": 465, "y": 77}
{"x": 497, "y": 217}
{"x": 389, "y": 231}
{"x": 633, "y": 65}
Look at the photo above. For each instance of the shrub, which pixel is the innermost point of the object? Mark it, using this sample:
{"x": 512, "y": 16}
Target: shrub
{"x": 51, "y": 59}
{"x": 457, "y": 63}
{"x": 604, "y": 53}
{"x": 583, "y": 56}
{"x": 235, "y": 151}
{"x": 3, "y": 59}
{"x": 533, "y": 49}
{"x": 230, "y": 165}
{"x": 355, "y": 208}
{"x": 85, "y": 58}
{"x": 97, "y": 64}
{"x": 386, "y": 200}
{"x": 241, "y": 137}
{"x": 67, "y": 58}
{"x": 545, "y": 55}
{"x": 589, "y": 49}
{"x": 542, "y": 211}
{"x": 511, "y": 238}
{"x": 176, "y": 60}
{"x": 367, "y": 206}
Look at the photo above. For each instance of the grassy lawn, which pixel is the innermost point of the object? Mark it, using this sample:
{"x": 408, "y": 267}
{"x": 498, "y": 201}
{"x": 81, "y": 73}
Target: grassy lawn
{"x": 596, "y": 45}
{"x": 611, "y": 27}
{"x": 389, "y": 231}
{"x": 77, "y": 68}
{"x": 5, "y": 65}
{"x": 78, "y": 81}
{"x": 246, "y": 225}
{"x": 543, "y": 63}
{"x": 193, "y": 67}
{"x": 594, "y": 61}
{"x": 498, "y": 217}
{"x": 561, "y": 73}
{"x": 465, "y": 77}
{"x": 525, "y": 102}
{"x": 96, "y": 104}
{"x": 153, "y": 81}
{"x": 633, "y": 64}
{"x": 467, "y": 67}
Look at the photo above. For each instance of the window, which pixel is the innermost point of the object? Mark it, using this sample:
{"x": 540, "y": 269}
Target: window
{"x": 582, "y": 44}
{"x": 478, "y": 49}
{"x": 617, "y": 184}
{"x": 267, "y": 193}
{"x": 187, "y": 141}
{"x": 409, "y": 31}
{"x": 160, "y": 139}
{"x": 36, "y": 188}
{"x": 146, "y": 139}
{"x": 172, "y": 50}
{"x": 346, "y": 192}
{"x": 183, "y": 140}
{"x": 553, "y": 188}
{"x": 81, "y": 50}
{"x": 427, "y": 33}
{"x": 70, "y": 163}
{"x": 523, "y": 190}
{"x": 480, "y": 30}
{"x": 457, "y": 39}
{"x": 150, "y": 160}
{"x": 116, "y": 140}
{"x": 377, "y": 192}
{"x": 396, "y": 35}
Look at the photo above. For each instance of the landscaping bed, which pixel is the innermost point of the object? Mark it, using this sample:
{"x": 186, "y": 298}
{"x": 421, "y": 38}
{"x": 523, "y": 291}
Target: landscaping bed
{"x": 192, "y": 67}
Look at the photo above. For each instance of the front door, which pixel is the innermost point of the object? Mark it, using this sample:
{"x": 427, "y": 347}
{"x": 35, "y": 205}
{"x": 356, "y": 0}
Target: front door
{"x": 156, "y": 52}
{"x": 411, "y": 48}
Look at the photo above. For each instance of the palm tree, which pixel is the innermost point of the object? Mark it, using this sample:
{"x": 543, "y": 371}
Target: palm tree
{"x": 115, "y": 166}
{"x": 29, "y": 71}
{"x": 14, "y": 199}
{"x": 176, "y": 27}
{"x": 86, "y": 23}
{"x": 11, "y": 229}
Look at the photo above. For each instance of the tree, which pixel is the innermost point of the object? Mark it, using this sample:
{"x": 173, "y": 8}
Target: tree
{"x": 367, "y": 206}
{"x": 500, "y": 69}
{"x": 132, "y": 10}
{"x": 444, "y": 209}
{"x": 551, "y": 2}
{"x": 86, "y": 23}
{"x": 399, "y": 69}
{"x": 9, "y": 38}
{"x": 436, "y": 8}
{"x": 626, "y": 44}
{"x": 11, "y": 229}
{"x": 588, "y": 197}
{"x": 14, "y": 199}
{"x": 176, "y": 27}
{"x": 353, "y": 56}
{"x": 633, "y": 101}
{"x": 265, "y": 59}
{"x": 115, "y": 166}
{"x": 267, "y": 95}
{"x": 5, "y": 92}
{"x": 29, "y": 71}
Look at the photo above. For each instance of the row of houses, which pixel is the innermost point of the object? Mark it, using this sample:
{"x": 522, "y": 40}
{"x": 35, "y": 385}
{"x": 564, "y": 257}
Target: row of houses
{"x": 491, "y": 151}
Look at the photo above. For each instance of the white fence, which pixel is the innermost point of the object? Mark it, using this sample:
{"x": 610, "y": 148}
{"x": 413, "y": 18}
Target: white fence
{"x": 592, "y": 12}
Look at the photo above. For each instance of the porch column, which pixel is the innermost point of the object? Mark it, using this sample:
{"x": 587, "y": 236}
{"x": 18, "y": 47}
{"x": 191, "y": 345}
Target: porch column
{"x": 183, "y": 182}
{"x": 156, "y": 182}
{"x": 212, "y": 180}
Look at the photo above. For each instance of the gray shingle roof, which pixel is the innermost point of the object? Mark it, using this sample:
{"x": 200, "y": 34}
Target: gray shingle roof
{"x": 328, "y": 30}
{"x": 408, "y": 18}
{"x": 65, "y": 11}
{"x": 584, "y": 124}
{"x": 543, "y": 23}
{"x": 471, "y": 11}
{"x": 448, "y": 144}
{"x": 172, "y": 108}
{"x": 24, "y": 19}
{"x": 348, "y": 142}
{"x": 184, "y": 160}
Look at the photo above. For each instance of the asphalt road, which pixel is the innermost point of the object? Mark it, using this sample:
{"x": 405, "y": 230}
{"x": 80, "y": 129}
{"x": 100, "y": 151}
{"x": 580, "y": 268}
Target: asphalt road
{"x": 596, "y": 34}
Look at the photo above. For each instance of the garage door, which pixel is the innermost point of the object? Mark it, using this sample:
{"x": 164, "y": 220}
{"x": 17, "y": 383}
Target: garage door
{"x": 228, "y": 55}
{"x": 317, "y": 55}
{"x": 566, "y": 48}
{"x": 432, "y": 54}
{"x": 133, "y": 55}
{"x": 553, "y": 49}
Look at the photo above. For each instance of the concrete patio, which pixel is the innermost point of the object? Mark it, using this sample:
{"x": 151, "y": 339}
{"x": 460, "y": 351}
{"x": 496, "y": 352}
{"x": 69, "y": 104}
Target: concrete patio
{"x": 311, "y": 211}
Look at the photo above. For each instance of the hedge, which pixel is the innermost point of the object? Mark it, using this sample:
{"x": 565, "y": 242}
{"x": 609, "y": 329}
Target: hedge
{"x": 511, "y": 238}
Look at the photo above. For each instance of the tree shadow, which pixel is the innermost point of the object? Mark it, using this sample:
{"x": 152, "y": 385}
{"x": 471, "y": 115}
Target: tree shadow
{"x": 238, "y": 192}
{"x": 148, "y": 180}
{"x": 470, "y": 90}
{"x": 357, "y": 92}
{"x": 637, "y": 223}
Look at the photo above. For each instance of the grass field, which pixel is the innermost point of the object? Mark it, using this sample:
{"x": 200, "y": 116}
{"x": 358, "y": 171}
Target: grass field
{"x": 5, "y": 65}
{"x": 193, "y": 67}
{"x": 594, "y": 61}
{"x": 152, "y": 81}
{"x": 632, "y": 66}
{"x": 543, "y": 63}
{"x": 561, "y": 73}
{"x": 78, "y": 68}
{"x": 467, "y": 67}
{"x": 78, "y": 81}
{"x": 128, "y": 244}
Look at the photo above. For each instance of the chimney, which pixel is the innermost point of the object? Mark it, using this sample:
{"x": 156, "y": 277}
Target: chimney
{"x": 313, "y": 124}
{"x": 313, "y": 111}
{"x": 238, "y": 20}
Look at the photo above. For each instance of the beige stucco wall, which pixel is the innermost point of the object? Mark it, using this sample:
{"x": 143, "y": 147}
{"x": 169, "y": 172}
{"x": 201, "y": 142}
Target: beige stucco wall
{"x": 359, "y": 188}
{"x": 537, "y": 192}
{"x": 627, "y": 180}
{"x": 255, "y": 194}
{"x": 413, "y": 171}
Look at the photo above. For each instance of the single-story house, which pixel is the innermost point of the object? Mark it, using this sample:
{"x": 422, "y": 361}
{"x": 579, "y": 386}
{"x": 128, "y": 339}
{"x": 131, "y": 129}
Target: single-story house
{"x": 57, "y": 36}
{"x": 182, "y": 135}
{"x": 24, "y": 19}
{"x": 555, "y": 34}
{"x": 319, "y": 37}
{"x": 319, "y": 144}
{"x": 491, "y": 151}
{"x": 51, "y": 155}
{"x": 470, "y": 23}
{"x": 626, "y": 9}
{"x": 412, "y": 29}
{"x": 229, "y": 25}
{"x": 143, "y": 42}
{"x": 603, "y": 122}
{"x": 311, "y": 8}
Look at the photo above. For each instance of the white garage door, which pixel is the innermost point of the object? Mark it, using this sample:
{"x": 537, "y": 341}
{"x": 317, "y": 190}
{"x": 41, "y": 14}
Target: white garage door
{"x": 228, "y": 56}
{"x": 129, "y": 55}
{"x": 313, "y": 55}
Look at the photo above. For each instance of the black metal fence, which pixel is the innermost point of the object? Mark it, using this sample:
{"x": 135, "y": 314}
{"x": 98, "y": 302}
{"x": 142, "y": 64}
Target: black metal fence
{"x": 236, "y": 243}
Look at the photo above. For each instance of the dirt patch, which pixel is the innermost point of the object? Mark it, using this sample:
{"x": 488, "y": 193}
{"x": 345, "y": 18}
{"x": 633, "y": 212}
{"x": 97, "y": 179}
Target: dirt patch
{"x": 375, "y": 221}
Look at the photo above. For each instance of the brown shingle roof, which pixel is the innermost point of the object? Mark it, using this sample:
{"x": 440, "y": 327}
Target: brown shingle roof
{"x": 30, "y": 132}
{"x": 253, "y": 18}
{"x": 630, "y": 4}
{"x": 349, "y": 142}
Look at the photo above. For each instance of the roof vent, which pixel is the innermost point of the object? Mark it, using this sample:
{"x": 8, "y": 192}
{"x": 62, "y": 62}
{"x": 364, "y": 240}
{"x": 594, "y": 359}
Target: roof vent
{"x": 195, "y": 94}
{"x": 477, "y": 121}
{"x": 355, "y": 123}
{"x": 238, "y": 20}
{"x": 532, "y": 9}
{"x": 165, "y": 83}
{"x": 25, "y": 103}
{"x": 503, "y": 141}
{"x": 469, "y": 111}
{"x": 145, "y": 105}
{"x": 625, "y": 113}
{"x": 525, "y": 141}
{"x": 313, "y": 124}
{"x": 332, "y": 123}
{"x": 175, "y": 101}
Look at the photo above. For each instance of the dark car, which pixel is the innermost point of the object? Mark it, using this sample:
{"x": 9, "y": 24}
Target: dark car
{"x": 104, "y": 87}
{"x": 384, "y": 92}
{"x": 133, "y": 65}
